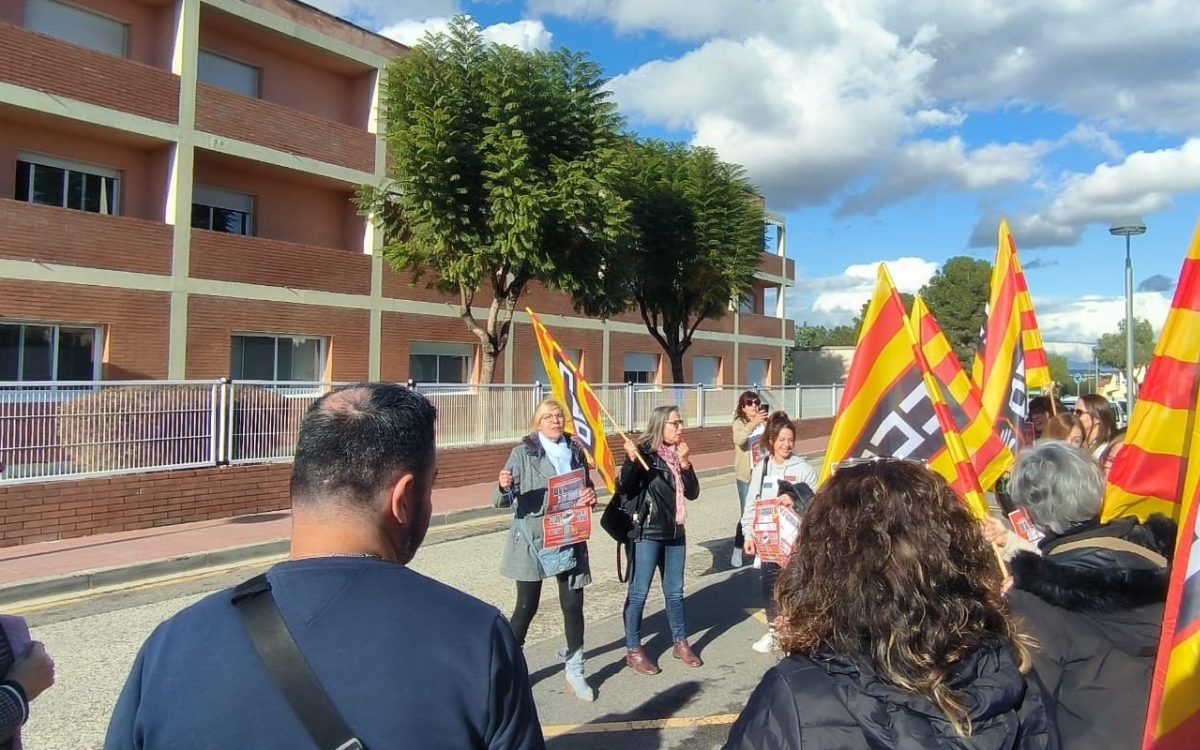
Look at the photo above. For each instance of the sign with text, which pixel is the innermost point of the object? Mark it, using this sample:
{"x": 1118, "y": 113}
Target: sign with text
{"x": 567, "y": 520}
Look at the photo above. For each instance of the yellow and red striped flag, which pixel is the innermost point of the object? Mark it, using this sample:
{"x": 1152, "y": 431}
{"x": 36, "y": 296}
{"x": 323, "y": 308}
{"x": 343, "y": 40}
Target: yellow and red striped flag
{"x": 582, "y": 408}
{"x": 989, "y": 455}
{"x": 1153, "y": 472}
{"x": 1037, "y": 366}
{"x": 892, "y": 405}
{"x": 999, "y": 369}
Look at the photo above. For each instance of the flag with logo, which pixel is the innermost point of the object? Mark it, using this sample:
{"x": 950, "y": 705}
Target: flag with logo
{"x": 583, "y": 415}
{"x": 999, "y": 369}
{"x": 892, "y": 405}
{"x": 989, "y": 456}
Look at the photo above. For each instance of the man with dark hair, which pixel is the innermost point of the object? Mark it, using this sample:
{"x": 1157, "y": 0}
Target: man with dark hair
{"x": 1040, "y": 411}
{"x": 405, "y": 660}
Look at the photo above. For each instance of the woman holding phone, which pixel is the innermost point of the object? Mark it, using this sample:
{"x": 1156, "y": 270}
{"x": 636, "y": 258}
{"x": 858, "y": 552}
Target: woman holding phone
{"x": 749, "y": 420}
{"x": 547, "y": 451}
{"x": 656, "y": 481}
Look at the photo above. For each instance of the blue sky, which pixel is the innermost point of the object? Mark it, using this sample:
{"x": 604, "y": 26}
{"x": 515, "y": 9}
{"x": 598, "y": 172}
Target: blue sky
{"x": 901, "y": 130}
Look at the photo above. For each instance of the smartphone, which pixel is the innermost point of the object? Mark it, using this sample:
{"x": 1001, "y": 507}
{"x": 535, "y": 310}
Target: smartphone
{"x": 764, "y": 408}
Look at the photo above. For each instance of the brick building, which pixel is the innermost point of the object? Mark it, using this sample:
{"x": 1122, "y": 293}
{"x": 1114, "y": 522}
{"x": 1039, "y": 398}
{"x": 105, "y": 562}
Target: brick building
{"x": 175, "y": 202}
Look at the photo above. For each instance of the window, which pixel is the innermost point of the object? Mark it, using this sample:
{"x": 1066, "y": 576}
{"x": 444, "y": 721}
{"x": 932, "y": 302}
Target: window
{"x": 277, "y": 358}
{"x": 641, "y": 368}
{"x": 707, "y": 370}
{"x": 53, "y": 182}
{"x": 440, "y": 363}
{"x": 760, "y": 371}
{"x": 770, "y": 300}
{"x": 45, "y": 351}
{"x": 228, "y": 74}
{"x": 76, "y": 25}
{"x": 222, "y": 211}
{"x": 539, "y": 368}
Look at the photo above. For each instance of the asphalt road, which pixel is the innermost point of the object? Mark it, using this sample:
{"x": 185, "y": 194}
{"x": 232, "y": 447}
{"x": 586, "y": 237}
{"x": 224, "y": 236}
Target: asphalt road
{"x": 94, "y": 641}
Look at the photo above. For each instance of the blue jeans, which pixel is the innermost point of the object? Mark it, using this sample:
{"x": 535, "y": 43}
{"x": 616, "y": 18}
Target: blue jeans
{"x": 668, "y": 558}
{"x": 743, "y": 488}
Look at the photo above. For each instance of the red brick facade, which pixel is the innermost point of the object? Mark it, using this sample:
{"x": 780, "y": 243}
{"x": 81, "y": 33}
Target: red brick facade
{"x": 71, "y": 238}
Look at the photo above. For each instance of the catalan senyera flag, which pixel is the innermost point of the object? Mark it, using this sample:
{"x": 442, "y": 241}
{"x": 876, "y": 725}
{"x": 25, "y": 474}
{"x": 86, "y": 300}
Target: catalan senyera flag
{"x": 583, "y": 417}
{"x": 999, "y": 368}
{"x": 1037, "y": 366}
{"x": 1153, "y": 472}
{"x": 989, "y": 455}
{"x": 892, "y": 405}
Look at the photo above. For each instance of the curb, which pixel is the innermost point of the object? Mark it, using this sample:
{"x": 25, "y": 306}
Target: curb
{"x": 88, "y": 581}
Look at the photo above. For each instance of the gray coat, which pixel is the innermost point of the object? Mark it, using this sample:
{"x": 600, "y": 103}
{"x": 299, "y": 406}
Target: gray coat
{"x": 533, "y": 469}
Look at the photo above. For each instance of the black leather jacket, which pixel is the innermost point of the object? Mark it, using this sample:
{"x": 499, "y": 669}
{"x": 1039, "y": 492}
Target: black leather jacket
{"x": 651, "y": 495}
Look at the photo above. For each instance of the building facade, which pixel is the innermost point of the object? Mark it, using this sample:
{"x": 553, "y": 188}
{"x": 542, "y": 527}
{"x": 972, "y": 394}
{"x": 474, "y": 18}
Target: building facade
{"x": 176, "y": 184}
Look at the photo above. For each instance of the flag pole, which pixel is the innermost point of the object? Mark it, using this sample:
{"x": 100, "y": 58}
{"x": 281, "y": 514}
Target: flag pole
{"x": 616, "y": 424}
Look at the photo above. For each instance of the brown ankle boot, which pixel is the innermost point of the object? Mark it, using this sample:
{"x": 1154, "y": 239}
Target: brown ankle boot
{"x": 683, "y": 652}
{"x": 642, "y": 664}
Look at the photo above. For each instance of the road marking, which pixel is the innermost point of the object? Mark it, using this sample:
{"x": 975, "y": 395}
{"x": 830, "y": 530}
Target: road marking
{"x": 678, "y": 722}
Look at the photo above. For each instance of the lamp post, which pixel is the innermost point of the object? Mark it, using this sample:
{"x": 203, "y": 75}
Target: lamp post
{"x": 1127, "y": 229}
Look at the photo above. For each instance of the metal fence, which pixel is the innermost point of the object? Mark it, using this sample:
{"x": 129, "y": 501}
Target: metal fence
{"x": 71, "y": 430}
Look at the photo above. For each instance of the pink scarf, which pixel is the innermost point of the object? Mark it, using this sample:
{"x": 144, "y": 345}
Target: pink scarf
{"x": 667, "y": 453}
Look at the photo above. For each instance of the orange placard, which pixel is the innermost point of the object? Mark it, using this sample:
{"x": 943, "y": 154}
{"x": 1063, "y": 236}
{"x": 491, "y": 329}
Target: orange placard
{"x": 567, "y": 520}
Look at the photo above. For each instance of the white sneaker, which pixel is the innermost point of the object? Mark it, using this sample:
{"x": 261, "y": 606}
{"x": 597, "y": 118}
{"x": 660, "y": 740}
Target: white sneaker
{"x": 765, "y": 644}
{"x": 736, "y": 558}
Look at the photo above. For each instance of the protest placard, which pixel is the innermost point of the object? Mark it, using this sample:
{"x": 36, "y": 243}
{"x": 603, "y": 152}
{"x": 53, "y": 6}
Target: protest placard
{"x": 766, "y": 532}
{"x": 789, "y": 531}
{"x": 567, "y": 519}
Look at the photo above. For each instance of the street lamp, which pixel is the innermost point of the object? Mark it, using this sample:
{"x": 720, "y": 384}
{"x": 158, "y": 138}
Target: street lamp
{"x": 1127, "y": 229}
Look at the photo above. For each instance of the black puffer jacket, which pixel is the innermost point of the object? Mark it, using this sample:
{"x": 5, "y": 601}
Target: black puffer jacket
{"x": 837, "y": 704}
{"x": 651, "y": 495}
{"x": 1093, "y": 601}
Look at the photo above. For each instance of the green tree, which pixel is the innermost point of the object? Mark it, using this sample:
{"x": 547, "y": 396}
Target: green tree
{"x": 814, "y": 337}
{"x": 1060, "y": 373}
{"x": 504, "y": 168}
{"x": 697, "y": 234}
{"x": 1112, "y": 345}
{"x": 957, "y": 295}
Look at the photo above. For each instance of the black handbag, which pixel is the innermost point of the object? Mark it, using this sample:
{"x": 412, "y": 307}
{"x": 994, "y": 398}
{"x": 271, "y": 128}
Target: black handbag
{"x": 289, "y": 669}
{"x": 615, "y": 521}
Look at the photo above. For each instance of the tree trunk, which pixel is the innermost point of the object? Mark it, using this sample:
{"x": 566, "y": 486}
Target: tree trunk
{"x": 676, "y": 357}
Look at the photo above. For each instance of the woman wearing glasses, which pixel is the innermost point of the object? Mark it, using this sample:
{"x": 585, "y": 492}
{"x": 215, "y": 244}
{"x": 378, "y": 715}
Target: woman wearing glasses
{"x": 896, "y": 632}
{"x": 749, "y": 422}
{"x": 545, "y": 452}
{"x": 1099, "y": 422}
{"x": 780, "y": 465}
{"x": 656, "y": 481}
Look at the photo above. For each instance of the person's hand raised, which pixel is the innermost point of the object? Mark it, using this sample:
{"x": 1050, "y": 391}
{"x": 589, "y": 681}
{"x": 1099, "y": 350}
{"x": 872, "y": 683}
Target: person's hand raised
{"x": 34, "y": 671}
{"x": 631, "y": 449}
{"x": 505, "y": 480}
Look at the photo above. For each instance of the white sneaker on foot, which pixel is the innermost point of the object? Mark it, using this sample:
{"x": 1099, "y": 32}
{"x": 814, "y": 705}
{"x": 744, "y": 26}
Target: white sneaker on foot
{"x": 736, "y": 558}
{"x": 765, "y": 644}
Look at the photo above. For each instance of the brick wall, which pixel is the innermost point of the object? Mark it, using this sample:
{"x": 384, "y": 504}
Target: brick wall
{"x": 254, "y": 260}
{"x": 45, "y": 64}
{"x": 232, "y": 115}
{"x": 62, "y": 235}
{"x": 136, "y": 322}
{"x": 47, "y": 511}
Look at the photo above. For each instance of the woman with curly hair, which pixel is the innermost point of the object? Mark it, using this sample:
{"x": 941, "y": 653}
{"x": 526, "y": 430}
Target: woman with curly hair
{"x": 895, "y": 627}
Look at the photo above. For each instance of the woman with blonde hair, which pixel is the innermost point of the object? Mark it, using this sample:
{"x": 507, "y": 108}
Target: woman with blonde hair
{"x": 896, "y": 632}
{"x": 545, "y": 452}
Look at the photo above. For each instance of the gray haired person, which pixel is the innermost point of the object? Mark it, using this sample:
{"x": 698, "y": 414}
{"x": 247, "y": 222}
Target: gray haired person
{"x": 1091, "y": 596}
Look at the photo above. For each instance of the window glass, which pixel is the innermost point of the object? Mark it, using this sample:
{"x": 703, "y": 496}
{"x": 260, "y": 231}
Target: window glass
{"x": 10, "y": 352}
{"x": 433, "y": 362}
{"x": 222, "y": 211}
{"x": 47, "y": 352}
{"x": 304, "y": 355}
{"x": 76, "y": 353}
{"x": 539, "y": 368}
{"x": 707, "y": 370}
{"x": 640, "y": 368}
{"x": 66, "y": 185}
{"x": 76, "y": 25}
{"x": 423, "y": 368}
{"x": 759, "y": 370}
{"x": 277, "y": 358}
{"x": 221, "y": 71}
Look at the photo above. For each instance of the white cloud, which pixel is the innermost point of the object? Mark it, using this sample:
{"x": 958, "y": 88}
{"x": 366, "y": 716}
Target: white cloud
{"x": 1071, "y": 327}
{"x": 841, "y": 297}
{"x": 1145, "y": 183}
{"x": 526, "y": 35}
{"x": 378, "y": 14}
{"x": 409, "y": 32}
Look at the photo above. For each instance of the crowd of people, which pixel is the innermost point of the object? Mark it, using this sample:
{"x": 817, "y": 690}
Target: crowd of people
{"x": 893, "y": 624}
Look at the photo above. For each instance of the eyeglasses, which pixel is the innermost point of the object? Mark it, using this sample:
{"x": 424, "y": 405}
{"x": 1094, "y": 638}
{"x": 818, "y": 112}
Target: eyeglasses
{"x": 554, "y": 418}
{"x": 1080, "y": 412}
{"x": 873, "y": 460}
{"x": 676, "y": 423}
{"x": 751, "y": 402}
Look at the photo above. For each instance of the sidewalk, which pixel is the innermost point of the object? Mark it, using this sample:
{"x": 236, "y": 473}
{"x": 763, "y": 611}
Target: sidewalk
{"x": 75, "y": 566}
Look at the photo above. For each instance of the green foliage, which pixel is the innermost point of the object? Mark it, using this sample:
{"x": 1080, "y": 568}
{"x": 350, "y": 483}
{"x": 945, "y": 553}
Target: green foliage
{"x": 1112, "y": 345}
{"x": 957, "y": 296}
{"x": 505, "y": 166}
{"x": 695, "y": 242}
{"x": 814, "y": 337}
{"x": 1060, "y": 373}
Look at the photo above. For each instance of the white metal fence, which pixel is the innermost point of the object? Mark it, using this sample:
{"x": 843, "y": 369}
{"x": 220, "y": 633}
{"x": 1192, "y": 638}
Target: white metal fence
{"x": 71, "y": 430}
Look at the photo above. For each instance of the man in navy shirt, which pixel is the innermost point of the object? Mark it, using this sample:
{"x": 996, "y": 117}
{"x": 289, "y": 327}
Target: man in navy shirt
{"x": 407, "y": 661}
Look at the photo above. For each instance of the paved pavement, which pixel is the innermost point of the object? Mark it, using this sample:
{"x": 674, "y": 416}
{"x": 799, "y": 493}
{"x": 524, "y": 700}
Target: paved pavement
{"x": 94, "y": 635}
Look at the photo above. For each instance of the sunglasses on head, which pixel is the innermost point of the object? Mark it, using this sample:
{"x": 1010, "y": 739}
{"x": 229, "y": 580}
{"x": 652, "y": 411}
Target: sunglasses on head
{"x": 875, "y": 460}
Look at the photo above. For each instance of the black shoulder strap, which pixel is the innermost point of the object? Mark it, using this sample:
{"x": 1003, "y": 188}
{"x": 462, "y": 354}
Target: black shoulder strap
{"x": 288, "y": 668}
